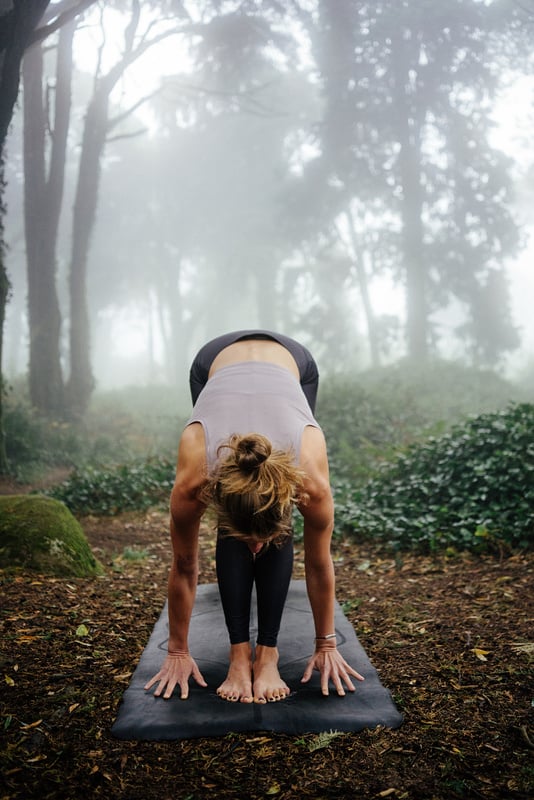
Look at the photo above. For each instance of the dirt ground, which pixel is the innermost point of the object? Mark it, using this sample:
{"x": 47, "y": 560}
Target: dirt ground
{"x": 451, "y": 638}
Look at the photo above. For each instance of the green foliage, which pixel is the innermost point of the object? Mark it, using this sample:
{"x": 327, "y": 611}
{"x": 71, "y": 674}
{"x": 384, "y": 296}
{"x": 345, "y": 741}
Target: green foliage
{"x": 34, "y": 444}
{"x": 110, "y": 490}
{"x": 372, "y": 423}
{"x": 140, "y": 420}
{"x": 471, "y": 488}
{"x": 134, "y": 554}
{"x": 362, "y": 427}
{"x": 319, "y": 741}
{"x": 120, "y": 427}
{"x": 370, "y": 418}
{"x": 41, "y": 534}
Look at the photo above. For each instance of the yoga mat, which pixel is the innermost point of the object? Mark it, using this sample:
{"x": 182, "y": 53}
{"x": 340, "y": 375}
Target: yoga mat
{"x": 143, "y": 716}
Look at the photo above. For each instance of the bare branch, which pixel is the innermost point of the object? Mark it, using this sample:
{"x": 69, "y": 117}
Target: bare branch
{"x": 132, "y": 135}
{"x": 53, "y": 11}
{"x": 153, "y": 24}
{"x": 41, "y": 33}
{"x": 131, "y": 28}
{"x": 101, "y": 47}
{"x": 129, "y": 57}
{"x": 123, "y": 115}
{"x": 243, "y": 97}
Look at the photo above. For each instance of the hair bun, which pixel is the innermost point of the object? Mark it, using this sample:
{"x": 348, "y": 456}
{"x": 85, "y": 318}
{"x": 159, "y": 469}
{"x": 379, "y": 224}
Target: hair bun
{"x": 251, "y": 451}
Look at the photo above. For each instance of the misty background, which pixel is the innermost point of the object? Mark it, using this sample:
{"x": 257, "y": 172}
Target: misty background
{"x": 357, "y": 175}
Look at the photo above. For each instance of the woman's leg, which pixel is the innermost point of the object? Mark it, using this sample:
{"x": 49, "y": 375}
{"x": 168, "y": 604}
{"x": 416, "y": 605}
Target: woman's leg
{"x": 235, "y": 576}
{"x": 272, "y": 571}
{"x": 272, "y": 575}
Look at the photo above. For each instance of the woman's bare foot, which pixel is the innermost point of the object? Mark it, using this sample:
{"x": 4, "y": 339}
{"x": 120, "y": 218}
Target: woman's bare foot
{"x": 268, "y": 685}
{"x": 238, "y": 682}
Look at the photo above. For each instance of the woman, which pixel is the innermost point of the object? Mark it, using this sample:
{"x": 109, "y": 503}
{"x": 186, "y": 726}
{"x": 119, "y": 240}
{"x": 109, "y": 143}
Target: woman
{"x": 252, "y": 449}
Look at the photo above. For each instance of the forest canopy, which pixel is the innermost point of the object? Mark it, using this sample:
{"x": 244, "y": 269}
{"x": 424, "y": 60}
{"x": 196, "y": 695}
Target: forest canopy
{"x": 177, "y": 169}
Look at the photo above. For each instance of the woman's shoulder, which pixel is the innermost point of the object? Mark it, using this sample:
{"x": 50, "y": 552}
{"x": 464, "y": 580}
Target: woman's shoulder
{"x": 192, "y": 448}
{"x": 313, "y": 454}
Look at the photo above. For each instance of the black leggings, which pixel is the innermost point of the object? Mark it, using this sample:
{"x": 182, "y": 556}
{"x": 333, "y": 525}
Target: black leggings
{"x": 237, "y": 568}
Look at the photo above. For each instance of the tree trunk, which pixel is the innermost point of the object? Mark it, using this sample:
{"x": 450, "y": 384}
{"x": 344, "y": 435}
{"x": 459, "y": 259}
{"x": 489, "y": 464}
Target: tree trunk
{"x": 4, "y": 294}
{"x": 407, "y": 124}
{"x": 170, "y": 300}
{"x": 16, "y": 26}
{"x": 97, "y": 124}
{"x": 42, "y": 204}
{"x": 266, "y": 296}
{"x": 363, "y": 286}
{"x": 81, "y": 381}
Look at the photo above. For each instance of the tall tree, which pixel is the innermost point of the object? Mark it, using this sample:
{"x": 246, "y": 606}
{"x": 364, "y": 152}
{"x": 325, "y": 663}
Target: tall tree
{"x": 208, "y": 215}
{"x": 250, "y": 103}
{"x": 4, "y": 294}
{"x": 400, "y": 82}
{"x": 97, "y": 127}
{"x": 43, "y": 190}
{"x": 18, "y": 21}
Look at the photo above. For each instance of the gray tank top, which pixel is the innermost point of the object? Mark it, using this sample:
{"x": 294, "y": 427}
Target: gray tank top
{"x": 252, "y": 397}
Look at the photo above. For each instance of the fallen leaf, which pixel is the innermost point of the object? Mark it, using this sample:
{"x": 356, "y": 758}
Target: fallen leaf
{"x": 123, "y": 677}
{"x": 82, "y": 630}
{"x": 31, "y": 725}
{"x": 524, "y": 647}
{"x": 480, "y": 654}
{"x": 9, "y": 681}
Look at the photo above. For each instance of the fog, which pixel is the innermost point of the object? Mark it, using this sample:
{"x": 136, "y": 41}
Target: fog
{"x": 357, "y": 175}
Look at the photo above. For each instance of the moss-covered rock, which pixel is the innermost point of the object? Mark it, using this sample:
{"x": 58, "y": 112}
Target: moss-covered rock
{"x": 41, "y": 534}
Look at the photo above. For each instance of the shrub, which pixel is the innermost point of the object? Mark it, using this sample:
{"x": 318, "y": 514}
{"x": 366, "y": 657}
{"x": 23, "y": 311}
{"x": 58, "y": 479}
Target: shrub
{"x": 119, "y": 427}
{"x": 370, "y": 418}
{"x": 110, "y": 490}
{"x": 468, "y": 489}
{"x": 34, "y": 444}
{"x": 143, "y": 421}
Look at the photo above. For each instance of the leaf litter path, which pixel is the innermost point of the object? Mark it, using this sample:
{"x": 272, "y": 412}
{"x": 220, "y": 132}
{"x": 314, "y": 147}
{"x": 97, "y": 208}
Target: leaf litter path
{"x": 451, "y": 638}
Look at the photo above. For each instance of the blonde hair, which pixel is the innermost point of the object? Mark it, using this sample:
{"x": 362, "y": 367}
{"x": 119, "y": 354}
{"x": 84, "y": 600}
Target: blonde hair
{"x": 254, "y": 489}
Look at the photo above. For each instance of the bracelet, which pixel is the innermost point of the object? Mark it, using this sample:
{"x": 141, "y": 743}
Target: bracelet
{"x": 328, "y": 636}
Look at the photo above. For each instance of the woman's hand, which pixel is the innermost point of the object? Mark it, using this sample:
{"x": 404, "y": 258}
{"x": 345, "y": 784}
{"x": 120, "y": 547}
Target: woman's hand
{"x": 332, "y": 666}
{"x": 176, "y": 671}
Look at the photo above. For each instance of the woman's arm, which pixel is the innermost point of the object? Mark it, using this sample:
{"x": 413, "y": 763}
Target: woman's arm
{"x": 186, "y": 512}
{"x": 318, "y": 513}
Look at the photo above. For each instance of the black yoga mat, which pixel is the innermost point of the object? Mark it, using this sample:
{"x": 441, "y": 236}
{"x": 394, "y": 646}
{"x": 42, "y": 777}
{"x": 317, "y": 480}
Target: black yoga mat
{"x": 143, "y": 716}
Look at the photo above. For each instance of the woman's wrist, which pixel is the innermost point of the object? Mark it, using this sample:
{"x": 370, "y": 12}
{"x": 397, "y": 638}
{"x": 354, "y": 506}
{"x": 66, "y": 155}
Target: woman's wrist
{"x": 322, "y": 646}
{"x": 326, "y": 642}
